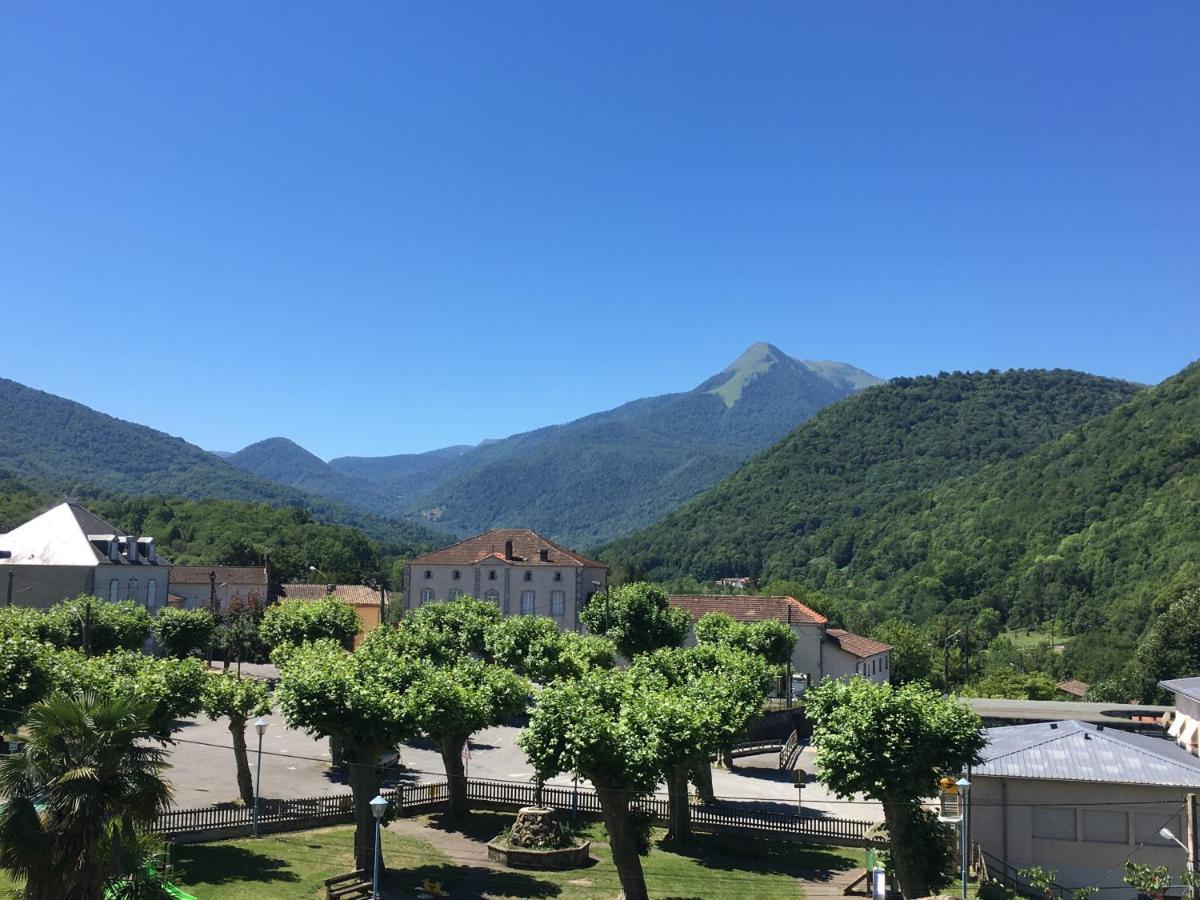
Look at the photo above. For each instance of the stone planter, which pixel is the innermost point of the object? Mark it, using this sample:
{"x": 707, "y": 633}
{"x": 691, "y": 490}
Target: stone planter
{"x": 538, "y": 840}
{"x": 527, "y": 858}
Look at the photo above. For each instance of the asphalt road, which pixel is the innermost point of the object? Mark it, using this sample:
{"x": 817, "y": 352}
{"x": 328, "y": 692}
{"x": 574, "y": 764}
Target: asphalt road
{"x": 295, "y": 765}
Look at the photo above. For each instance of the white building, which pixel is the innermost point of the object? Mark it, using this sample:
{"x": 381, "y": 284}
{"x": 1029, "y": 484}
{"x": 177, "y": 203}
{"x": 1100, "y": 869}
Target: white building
{"x": 68, "y": 551}
{"x": 1185, "y": 719}
{"x": 209, "y": 586}
{"x": 520, "y": 571}
{"x": 820, "y": 652}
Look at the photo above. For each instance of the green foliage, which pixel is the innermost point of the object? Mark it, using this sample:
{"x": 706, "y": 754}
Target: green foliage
{"x": 938, "y": 857}
{"x": 1171, "y": 648}
{"x": 1146, "y": 879}
{"x": 769, "y": 639}
{"x": 534, "y": 646}
{"x": 86, "y": 777}
{"x": 1045, "y": 880}
{"x": 182, "y": 632}
{"x": 1013, "y": 685}
{"x": 25, "y": 677}
{"x": 226, "y": 696}
{"x": 237, "y": 635}
{"x": 454, "y": 702}
{"x": 636, "y": 618}
{"x": 861, "y": 729}
{"x": 910, "y": 659}
{"x": 446, "y": 631}
{"x": 97, "y": 626}
{"x": 300, "y": 621}
{"x": 169, "y": 688}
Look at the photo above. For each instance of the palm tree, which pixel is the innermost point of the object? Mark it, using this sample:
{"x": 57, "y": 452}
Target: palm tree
{"x": 88, "y": 777}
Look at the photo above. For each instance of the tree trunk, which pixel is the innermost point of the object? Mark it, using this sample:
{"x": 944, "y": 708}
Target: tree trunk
{"x": 680, "y": 828}
{"x": 726, "y": 757}
{"x": 456, "y": 781}
{"x": 702, "y": 776}
{"x": 614, "y": 804}
{"x": 337, "y": 751}
{"x": 364, "y": 785}
{"x": 244, "y": 782}
{"x": 906, "y": 857}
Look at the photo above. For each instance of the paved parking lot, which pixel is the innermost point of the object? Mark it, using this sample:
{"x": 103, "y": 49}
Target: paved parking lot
{"x": 295, "y": 765}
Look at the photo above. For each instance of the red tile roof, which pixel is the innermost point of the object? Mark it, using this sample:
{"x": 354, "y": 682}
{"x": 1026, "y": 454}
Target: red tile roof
{"x": 748, "y": 609}
{"x": 526, "y": 545}
{"x": 1073, "y": 687}
{"x": 856, "y": 644}
{"x": 354, "y": 594}
{"x": 256, "y": 575}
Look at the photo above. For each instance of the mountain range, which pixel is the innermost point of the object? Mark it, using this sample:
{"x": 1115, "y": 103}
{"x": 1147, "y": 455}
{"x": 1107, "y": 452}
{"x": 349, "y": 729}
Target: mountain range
{"x": 591, "y": 479}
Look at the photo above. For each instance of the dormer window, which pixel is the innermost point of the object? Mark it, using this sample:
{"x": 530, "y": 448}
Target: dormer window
{"x": 456, "y": 574}
{"x": 428, "y": 574}
{"x": 558, "y": 576}
{"x": 528, "y": 575}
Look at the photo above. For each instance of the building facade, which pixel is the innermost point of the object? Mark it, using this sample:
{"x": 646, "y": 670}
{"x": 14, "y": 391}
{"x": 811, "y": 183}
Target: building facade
{"x": 68, "y": 551}
{"x": 217, "y": 586}
{"x": 821, "y": 652}
{"x": 370, "y": 604}
{"x": 520, "y": 571}
{"x": 1185, "y": 718}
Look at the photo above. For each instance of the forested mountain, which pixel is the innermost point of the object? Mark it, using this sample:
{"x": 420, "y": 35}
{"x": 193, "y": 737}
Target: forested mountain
{"x": 286, "y": 462}
{"x": 590, "y": 479}
{"x": 606, "y": 474}
{"x": 796, "y": 511}
{"x": 62, "y": 447}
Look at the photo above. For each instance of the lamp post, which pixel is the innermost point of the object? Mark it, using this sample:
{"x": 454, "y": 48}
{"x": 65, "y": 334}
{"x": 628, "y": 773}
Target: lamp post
{"x": 260, "y": 725}
{"x": 378, "y": 808}
{"x": 964, "y": 787}
{"x": 1170, "y": 836}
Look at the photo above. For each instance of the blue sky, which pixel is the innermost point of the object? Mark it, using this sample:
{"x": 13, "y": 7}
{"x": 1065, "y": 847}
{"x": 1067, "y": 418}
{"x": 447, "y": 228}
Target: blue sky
{"x": 392, "y": 227}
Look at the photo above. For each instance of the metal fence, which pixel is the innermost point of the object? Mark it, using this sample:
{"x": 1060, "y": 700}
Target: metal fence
{"x": 283, "y": 815}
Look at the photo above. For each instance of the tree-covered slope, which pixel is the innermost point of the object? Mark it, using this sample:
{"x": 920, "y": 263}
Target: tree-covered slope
{"x": 608, "y": 473}
{"x": 64, "y": 447}
{"x": 286, "y": 462}
{"x": 790, "y": 513}
{"x": 402, "y": 474}
{"x": 1091, "y": 527}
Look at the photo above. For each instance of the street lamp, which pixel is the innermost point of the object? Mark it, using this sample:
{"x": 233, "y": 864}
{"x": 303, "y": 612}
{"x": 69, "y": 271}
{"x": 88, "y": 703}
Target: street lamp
{"x": 378, "y": 808}
{"x": 964, "y": 787}
{"x": 260, "y": 725}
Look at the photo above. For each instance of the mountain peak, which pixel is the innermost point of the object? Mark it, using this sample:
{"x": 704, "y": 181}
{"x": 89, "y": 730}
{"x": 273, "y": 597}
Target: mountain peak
{"x": 755, "y": 356}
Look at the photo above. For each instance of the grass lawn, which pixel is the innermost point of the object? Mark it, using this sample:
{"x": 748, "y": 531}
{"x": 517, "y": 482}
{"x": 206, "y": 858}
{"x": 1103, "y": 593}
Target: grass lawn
{"x": 294, "y": 865}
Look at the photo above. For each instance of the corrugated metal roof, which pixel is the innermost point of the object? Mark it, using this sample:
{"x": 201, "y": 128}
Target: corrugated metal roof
{"x": 1189, "y": 687}
{"x": 1079, "y": 751}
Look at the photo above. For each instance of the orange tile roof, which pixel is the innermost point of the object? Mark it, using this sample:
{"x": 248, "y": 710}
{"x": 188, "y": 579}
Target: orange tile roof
{"x": 856, "y": 644}
{"x": 354, "y": 594}
{"x": 748, "y": 609}
{"x": 526, "y": 545}
{"x": 1073, "y": 687}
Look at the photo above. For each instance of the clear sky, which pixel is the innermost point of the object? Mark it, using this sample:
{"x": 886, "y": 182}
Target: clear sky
{"x": 391, "y": 227}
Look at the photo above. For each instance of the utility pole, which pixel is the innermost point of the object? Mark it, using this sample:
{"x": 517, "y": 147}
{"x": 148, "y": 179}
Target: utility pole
{"x": 1193, "y": 843}
{"x": 212, "y": 607}
{"x": 8, "y": 599}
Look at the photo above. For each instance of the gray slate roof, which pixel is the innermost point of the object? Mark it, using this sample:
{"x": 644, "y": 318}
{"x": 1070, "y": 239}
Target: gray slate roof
{"x": 1079, "y": 751}
{"x": 1188, "y": 687}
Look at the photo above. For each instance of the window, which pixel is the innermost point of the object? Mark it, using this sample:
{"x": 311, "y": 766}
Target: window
{"x": 151, "y": 592}
{"x": 527, "y": 603}
{"x": 558, "y": 576}
{"x": 455, "y": 593}
{"x": 427, "y": 595}
{"x": 528, "y": 575}
{"x": 1108, "y": 826}
{"x": 558, "y": 604}
{"x": 456, "y": 574}
{"x": 491, "y": 575}
{"x": 428, "y": 574}
{"x": 133, "y": 588}
{"x": 114, "y": 588}
{"x": 886, "y": 663}
{"x": 492, "y": 597}
{"x": 1055, "y": 823}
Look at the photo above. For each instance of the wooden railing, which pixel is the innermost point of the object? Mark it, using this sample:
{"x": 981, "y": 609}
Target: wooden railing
{"x": 753, "y": 748}
{"x": 287, "y": 815}
{"x": 790, "y": 752}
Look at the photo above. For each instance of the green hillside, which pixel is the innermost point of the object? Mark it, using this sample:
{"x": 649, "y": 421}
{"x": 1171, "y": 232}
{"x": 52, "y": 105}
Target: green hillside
{"x": 606, "y": 474}
{"x": 62, "y": 447}
{"x": 795, "y": 511}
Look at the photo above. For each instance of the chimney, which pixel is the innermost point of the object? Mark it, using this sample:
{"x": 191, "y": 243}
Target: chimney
{"x": 508, "y": 550}
{"x": 151, "y": 555}
{"x": 112, "y": 548}
{"x": 131, "y": 549}
{"x": 543, "y": 554}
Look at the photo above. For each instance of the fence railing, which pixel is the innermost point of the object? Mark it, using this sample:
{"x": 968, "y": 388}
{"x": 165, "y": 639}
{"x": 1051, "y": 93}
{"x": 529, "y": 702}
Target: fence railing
{"x": 278, "y": 815}
{"x": 790, "y": 751}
